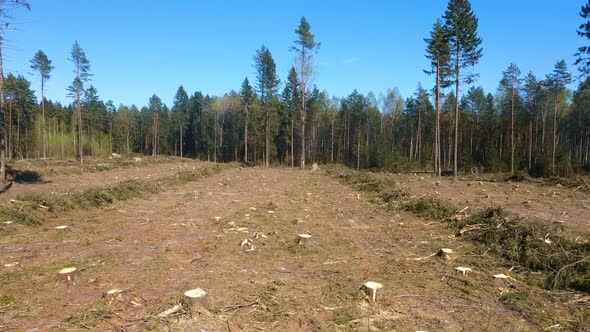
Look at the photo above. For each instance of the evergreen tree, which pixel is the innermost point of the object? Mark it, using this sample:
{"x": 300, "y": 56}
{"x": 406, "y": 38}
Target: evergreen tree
{"x": 511, "y": 81}
{"x": 247, "y": 94}
{"x": 438, "y": 52}
{"x": 179, "y": 118}
{"x": 557, "y": 82}
{"x": 583, "y": 54}
{"x": 42, "y": 65}
{"x": 267, "y": 84}
{"x": 291, "y": 100}
{"x": 464, "y": 44}
{"x": 155, "y": 107}
{"x": 305, "y": 46}
{"x": 5, "y": 19}
{"x": 82, "y": 70}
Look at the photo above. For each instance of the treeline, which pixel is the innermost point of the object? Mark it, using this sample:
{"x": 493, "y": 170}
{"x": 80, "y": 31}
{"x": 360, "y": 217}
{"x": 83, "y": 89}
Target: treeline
{"x": 531, "y": 124}
{"x": 385, "y": 131}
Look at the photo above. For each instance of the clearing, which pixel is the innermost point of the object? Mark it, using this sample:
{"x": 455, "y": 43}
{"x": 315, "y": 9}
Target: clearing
{"x": 188, "y": 235}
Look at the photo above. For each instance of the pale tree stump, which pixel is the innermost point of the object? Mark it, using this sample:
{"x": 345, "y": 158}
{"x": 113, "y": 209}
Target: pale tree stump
{"x": 68, "y": 276}
{"x": 195, "y": 298}
{"x": 303, "y": 238}
{"x": 371, "y": 288}
{"x": 115, "y": 295}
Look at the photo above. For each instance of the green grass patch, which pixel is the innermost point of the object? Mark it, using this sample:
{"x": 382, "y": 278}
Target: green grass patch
{"x": 429, "y": 207}
{"x": 268, "y": 295}
{"x": 23, "y": 215}
{"x": 346, "y": 298}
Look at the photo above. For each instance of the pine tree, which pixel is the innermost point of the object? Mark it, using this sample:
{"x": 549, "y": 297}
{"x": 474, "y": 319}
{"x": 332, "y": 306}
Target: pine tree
{"x": 305, "y": 47}
{"x": 556, "y": 82}
{"x": 82, "y": 70}
{"x": 267, "y": 85}
{"x": 42, "y": 65}
{"x": 511, "y": 81}
{"x": 156, "y": 107}
{"x": 461, "y": 24}
{"x": 438, "y": 52}
{"x": 179, "y": 117}
{"x": 583, "y": 54}
{"x": 247, "y": 94}
{"x": 291, "y": 100}
{"x": 6, "y": 6}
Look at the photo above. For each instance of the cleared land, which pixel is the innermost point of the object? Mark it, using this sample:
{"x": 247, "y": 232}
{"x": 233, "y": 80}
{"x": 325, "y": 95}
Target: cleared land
{"x": 187, "y": 234}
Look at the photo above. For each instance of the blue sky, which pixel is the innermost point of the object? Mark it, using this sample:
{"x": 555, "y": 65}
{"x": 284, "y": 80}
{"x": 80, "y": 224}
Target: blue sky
{"x": 138, "y": 48}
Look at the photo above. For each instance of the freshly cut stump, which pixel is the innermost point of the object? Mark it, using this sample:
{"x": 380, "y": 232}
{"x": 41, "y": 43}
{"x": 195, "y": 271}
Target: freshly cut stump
{"x": 195, "y": 296}
{"x": 194, "y": 300}
{"x": 114, "y": 295}
{"x": 445, "y": 253}
{"x": 370, "y": 288}
{"x": 302, "y": 238}
{"x": 68, "y": 276}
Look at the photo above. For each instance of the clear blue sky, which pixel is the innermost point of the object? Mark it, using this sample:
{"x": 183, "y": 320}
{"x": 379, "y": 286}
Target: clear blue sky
{"x": 138, "y": 48}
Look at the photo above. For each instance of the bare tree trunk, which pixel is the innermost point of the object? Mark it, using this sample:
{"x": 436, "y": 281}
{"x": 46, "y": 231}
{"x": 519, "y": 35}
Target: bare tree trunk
{"x": 554, "y": 135}
{"x": 303, "y": 107}
{"x": 80, "y": 142}
{"x": 292, "y": 145}
{"x": 457, "y": 77}
{"x": 179, "y": 147}
{"x": 246, "y": 137}
{"x": 10, "y": 141}
{"x": 530, "y": 144}
{"x": 437, "y": 154}
{"x": 267, "y": 141}
{"x": 332, "y": 143}
{"x": 3, "y": 128}
{"x": 62, "y": 141}
{"x": 512, "y": 145}
{"x": 358, "y": 153}
{"x": 43, "y": 118}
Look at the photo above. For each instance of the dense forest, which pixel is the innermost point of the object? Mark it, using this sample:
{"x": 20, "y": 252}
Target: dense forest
{"x": 532, "y": 123}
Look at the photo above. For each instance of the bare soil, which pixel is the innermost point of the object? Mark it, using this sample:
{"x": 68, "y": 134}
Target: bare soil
{"x": 189, "y": 236}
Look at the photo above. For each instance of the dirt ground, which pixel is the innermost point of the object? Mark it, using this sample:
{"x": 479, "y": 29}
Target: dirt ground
{"x": 66, "y": 175}
{"x": 189, "y": 236}
{"x": 550, "y": 203}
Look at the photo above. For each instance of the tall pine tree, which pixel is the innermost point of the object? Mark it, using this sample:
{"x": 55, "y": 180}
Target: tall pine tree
{"x": 82, "y": 70}
{"x": 438, "y": 52}
{"x": 42, "y": 65}
{"x": 461, "y": 24}
{"x": 247, "y": 94}
{"x": 511, "y": 81}
{"x": 305, "y": 47}
{"x": 267, "y": 84}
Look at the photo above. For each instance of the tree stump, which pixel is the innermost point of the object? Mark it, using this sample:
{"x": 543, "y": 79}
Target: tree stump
{"x": 445, "y": 253}
{"x": 302, "y": 238}
{"x": 370, "y": 288}
{"x": 68, "y": 276}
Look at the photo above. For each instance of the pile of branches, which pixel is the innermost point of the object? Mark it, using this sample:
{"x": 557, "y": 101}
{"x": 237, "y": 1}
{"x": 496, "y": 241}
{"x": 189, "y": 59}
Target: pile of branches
{"x": 533, "y": 244}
